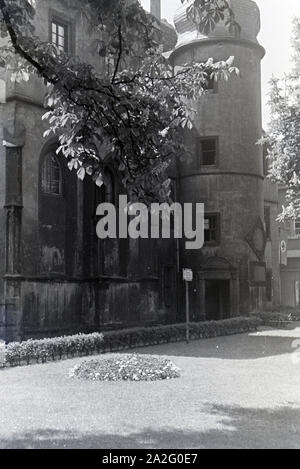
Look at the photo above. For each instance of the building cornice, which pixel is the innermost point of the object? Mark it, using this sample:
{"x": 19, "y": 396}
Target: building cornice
{"x": 221, "y": 173}
{"x": 211, "y": 41}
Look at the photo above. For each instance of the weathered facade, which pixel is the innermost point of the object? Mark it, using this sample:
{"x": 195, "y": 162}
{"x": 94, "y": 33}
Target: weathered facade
{"x": 57, "y": 277}
{"x": 238, "y": 266}
{"x": 289, "y": 259}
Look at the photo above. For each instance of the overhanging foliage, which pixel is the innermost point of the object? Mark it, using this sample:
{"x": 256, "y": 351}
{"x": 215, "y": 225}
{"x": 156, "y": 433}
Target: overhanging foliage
{"x": 131, "y": 113}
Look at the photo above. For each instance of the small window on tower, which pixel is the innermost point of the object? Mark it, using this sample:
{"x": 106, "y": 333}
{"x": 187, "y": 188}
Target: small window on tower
{"x": 207, "y": 150}
{"x": 211, "y": 85}
{"x": 212, "y": 229}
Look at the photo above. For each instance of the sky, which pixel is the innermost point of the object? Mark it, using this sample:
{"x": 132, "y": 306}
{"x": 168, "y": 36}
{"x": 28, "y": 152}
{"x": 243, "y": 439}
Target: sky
{"x": 275, "y": 37}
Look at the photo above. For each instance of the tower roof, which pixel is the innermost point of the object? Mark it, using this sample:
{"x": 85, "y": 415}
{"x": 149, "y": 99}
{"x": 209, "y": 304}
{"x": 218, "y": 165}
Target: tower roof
{"x": 247, "y": 15}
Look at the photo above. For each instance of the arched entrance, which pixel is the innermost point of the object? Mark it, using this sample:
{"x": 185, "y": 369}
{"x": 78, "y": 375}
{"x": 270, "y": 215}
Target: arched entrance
{"x": 219, "y": 289}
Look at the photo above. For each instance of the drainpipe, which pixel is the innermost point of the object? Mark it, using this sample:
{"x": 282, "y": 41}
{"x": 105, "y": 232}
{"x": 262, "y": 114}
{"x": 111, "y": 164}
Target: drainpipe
{"x": 155, "y": 8}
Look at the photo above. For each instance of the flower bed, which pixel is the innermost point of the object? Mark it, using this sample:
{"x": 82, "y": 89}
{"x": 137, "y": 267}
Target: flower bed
{"x": 40, "y": 351}
{"x": 128, "y": 367}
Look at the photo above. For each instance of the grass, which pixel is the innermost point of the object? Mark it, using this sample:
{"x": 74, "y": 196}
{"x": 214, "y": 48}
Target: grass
{"x": 234, "y": 392}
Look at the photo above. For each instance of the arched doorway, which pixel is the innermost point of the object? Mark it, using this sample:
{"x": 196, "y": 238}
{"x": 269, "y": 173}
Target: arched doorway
{"x": 219, "y": 289}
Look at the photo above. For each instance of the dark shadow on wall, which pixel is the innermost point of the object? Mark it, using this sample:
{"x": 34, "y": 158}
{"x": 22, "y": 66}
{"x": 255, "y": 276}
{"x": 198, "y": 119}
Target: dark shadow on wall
{"x": 233, "y": 427}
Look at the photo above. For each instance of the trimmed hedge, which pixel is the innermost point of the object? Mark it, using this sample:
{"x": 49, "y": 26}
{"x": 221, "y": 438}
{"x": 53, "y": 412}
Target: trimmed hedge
{"x": 120, "y": 340}
{"x": 41, "y": 351}
{"x": 279, "y": 318}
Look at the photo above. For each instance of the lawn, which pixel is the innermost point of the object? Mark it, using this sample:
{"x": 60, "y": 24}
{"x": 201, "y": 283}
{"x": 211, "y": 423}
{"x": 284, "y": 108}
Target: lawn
{"x": 235, "y": 392}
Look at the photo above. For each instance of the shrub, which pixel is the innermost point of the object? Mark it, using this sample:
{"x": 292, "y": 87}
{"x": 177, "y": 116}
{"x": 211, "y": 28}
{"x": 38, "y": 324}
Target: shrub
{"x": 271, "y": 318}
{"x": 41, "y": 351}
{"x": 51, "y": 349}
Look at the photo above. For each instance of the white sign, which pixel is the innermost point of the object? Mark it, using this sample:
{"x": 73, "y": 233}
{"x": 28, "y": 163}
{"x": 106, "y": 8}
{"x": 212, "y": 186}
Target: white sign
{"x": 188, "y": 275}
{"x": 283, "y": 246}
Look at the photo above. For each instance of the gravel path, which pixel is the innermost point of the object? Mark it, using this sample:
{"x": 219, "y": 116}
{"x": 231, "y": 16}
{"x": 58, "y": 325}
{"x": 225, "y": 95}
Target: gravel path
{"x": 235, "y": 392}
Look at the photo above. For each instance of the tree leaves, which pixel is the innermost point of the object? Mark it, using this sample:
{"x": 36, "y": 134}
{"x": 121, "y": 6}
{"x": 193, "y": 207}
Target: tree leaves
{"x": 130, "y": 110}
{"x": 206, "y": 14}
{"x": 283, "y": 139}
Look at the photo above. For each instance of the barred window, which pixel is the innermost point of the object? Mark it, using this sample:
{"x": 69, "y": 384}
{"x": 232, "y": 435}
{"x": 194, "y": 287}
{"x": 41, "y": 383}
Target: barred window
{"x": 51, "y": 175}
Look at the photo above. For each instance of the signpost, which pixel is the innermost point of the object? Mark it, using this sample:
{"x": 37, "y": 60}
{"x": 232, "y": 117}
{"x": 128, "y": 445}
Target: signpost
{"x": 187, "y": 277}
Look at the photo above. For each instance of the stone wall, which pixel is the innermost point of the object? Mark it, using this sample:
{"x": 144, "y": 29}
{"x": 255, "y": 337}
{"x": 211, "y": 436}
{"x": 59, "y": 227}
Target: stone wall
{"x": 232, "y": 188}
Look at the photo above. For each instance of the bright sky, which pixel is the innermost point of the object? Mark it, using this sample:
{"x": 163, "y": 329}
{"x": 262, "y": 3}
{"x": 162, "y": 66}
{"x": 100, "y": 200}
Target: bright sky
{"x": 275, "y": 37}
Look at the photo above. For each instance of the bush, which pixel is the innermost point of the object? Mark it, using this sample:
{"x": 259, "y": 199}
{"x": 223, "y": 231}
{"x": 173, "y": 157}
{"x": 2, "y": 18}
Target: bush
{"x": 279, "y": 318}
{"x": 41, "y": 351}
{"x": 120, "y": 340}
{"x": 128, "y": 367}
{"x": 52, "y": 349}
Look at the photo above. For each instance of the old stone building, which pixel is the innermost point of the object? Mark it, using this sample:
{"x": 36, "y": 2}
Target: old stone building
{"x": 239, "y": 264}
{"x": 57, "y": 277}
{"x": 289, "y": 258}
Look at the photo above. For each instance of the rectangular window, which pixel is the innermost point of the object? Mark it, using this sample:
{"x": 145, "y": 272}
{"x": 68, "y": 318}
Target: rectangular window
{"x": 297, "y": 228}
{"x": 292, "y": 226}
{"x": 60, "y": 33}
{"x": 212, "y": 229}
{"x": 207, "y": 149}
{"x": 211, "y": 85}
{"x": 268, "y": 222}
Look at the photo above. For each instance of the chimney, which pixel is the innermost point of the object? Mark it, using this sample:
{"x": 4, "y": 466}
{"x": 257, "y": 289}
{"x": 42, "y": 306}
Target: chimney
{"x": 156, "y": 8}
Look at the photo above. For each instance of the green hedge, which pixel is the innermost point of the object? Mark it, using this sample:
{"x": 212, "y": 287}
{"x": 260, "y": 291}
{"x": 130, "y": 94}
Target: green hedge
{"x": 41, "y": 351}
{"x": 130, "y": 338}
{"x": 279, "y": 318}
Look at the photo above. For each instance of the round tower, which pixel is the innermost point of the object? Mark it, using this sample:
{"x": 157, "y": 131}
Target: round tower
{"x": 225, "y": 171}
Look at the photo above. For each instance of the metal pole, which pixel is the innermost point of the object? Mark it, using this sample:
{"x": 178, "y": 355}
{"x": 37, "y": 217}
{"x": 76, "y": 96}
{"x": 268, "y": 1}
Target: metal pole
{"x": 5, "y": 325}
{"x": 187, "y": 305}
